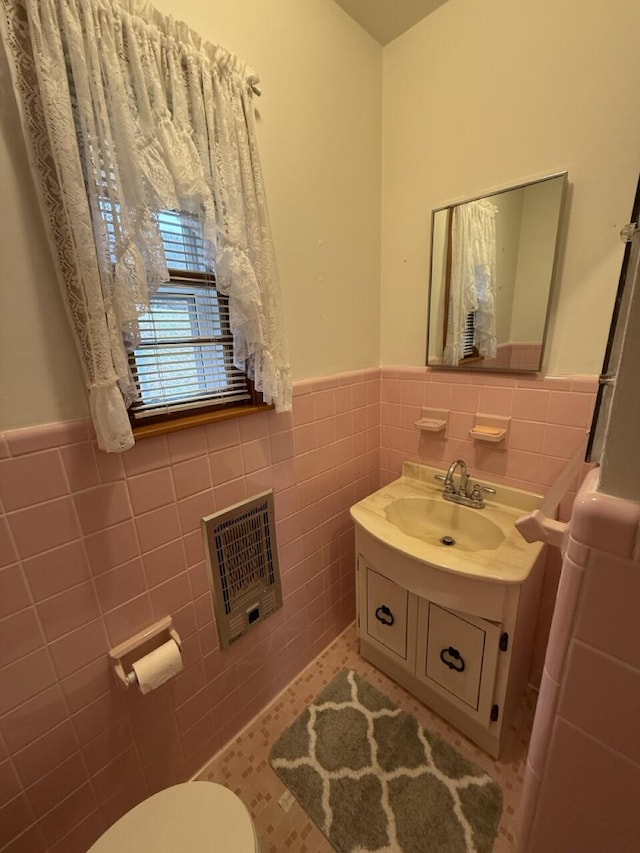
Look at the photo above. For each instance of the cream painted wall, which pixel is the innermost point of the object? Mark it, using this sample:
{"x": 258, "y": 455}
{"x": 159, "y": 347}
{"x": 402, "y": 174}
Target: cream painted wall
{"x": 319, "y": 130}
{"x": 482, "y": 95}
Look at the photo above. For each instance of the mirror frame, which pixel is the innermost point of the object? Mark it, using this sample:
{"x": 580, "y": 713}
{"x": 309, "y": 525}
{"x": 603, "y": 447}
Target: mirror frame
{"x": 475, "y": 368}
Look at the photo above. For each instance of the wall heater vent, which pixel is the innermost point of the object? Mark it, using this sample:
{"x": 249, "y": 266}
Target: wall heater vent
{"x": 242, "y": 555}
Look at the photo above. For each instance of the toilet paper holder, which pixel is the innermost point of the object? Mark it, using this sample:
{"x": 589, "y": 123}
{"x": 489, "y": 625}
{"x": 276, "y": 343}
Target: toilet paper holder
{"x": 124, "y": 654}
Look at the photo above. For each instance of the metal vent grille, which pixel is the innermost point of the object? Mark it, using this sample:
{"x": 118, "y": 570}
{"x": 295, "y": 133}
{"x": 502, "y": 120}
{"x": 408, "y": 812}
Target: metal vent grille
{"x": 242, "y": 555}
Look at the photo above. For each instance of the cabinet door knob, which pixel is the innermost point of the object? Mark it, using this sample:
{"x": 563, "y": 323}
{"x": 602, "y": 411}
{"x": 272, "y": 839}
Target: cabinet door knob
{"x": 452, "y": 658}
{"x": 384, "y": 615}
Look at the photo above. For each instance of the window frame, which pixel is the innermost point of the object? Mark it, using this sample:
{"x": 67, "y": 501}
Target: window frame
{"x": 193, "y": 412}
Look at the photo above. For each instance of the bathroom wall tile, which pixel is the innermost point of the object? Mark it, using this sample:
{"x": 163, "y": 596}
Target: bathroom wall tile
{"x": 14, "y": 594}
{"x": 565, "y": 798}
{"x": 78, "y": 648}
{"x": 222, "y": 434}
{"x": 56, "y": 570}
{"x": 496, "y": 400}
{"x": 36, "y": 438}
{"x": 21, "y": 680}
{"x": 607, "y": 523}
{"x": 99, "y": 715}
{"x": 15, "y": 818}
{"x": 303, "y": 410}
{"x": 29, "y": 721}
{"x": 82, "y": 835}
{"x": 146, "y": 455}
{"x": 255, "y": 455}
{"x": 110, "y": 466}
{"x": 601, "y": 696}
{"x": 102, "y": 506}
{"x": 562, "y": 441}
{"x": 530, "y": 405}
{"x": 113, "y": 740}
{"x": 339, "y": 418}
{"x": 193, "y": 543}
{"x": 569, "y": 591}
{"x": 304, "y": 438}
{"x": 157, "y": 527}
{"x": 120, "y": 585}
{"x": 9, "y": 783}
{"x": 31, "y": 479}
{"x": 609, "y": 584}
{"x": 527, "y": 435}
{"x": 186, "y": 444}
{"x": 192, "y": 509}
{"x": 226, "y": 465}
{"x": 80, "y": 466}
{"x": 165, "y": 562}
{"x": 68, "y": 610}
{"x": 116, "y": 774}
{"x": 585, "y": 385}
{"x": 569, "y": 409}
{"x": 68, "y": 814}
{"x": 7, "y": 550}
{"x": 128, "y": 619}
{"x": 20, "y": 634}
{"x": 112, "y": 547}
{"x": 87, "y": 684}
{"x": 281, "y": 446}
{"x": 151, "y": 490}
{"x": 463, "y": 398}
{"x": 359, "y": 394}
{"x": 546, "y": 708}
{"x": 44, "y": 526}
{"x": 229, "y": 493}
{"x": 170, "y": 596}
{"x": 133, "y": 791}
{"x": 191, "y": 476}
{"x": 45, "y": 754}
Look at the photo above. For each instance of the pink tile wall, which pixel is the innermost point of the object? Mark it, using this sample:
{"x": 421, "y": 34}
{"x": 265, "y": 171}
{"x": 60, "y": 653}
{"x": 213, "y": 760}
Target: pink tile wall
{"x": 94, "y": 547}
{"x": 549, "y": 418}
{"x": 583, "y": 771}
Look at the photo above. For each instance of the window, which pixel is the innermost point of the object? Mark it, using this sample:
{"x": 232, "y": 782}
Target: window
{"x": 184, "y": 361}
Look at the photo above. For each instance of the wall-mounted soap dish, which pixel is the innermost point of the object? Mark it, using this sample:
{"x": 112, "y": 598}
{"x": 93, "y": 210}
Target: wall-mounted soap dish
{"x": 491, "y": 428}
{"x": 434, "y": 420}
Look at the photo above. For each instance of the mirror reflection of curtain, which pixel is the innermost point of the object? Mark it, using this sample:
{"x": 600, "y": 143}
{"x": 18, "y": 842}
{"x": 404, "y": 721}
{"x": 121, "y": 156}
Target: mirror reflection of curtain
{"x": 472, "y": 280}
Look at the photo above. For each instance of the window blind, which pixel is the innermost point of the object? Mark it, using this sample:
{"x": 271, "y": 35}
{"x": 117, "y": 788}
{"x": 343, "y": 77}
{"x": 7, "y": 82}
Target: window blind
{"x": 185, "y": 356}
{"x": 467, "y": 338}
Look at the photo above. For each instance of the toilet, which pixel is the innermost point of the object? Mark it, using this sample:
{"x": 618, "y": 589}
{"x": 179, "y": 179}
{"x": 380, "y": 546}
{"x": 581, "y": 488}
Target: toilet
{"x": 199, "y": 817}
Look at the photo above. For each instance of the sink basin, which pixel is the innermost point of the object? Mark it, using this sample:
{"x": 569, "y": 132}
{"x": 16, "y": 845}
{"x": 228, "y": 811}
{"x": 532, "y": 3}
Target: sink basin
{"x": 410, "y": 516}
{"x": 430, "y": 519}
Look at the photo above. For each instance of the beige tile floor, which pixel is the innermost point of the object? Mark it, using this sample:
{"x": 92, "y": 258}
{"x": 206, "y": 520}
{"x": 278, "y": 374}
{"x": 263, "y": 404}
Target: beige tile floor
{"x": 243, "y": 765}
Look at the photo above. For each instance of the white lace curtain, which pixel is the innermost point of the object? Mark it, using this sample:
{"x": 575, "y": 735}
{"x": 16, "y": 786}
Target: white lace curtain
{"x": 127, "y": 111}
{"x": 473, "y": 280}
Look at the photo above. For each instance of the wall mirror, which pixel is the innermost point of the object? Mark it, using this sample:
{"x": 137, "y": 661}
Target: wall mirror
{"x": 493, "y": 261}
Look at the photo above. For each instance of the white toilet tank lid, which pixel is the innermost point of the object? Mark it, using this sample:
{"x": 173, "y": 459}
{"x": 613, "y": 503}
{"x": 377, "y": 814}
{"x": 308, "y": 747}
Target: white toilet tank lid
{"x": 199, "y": 817}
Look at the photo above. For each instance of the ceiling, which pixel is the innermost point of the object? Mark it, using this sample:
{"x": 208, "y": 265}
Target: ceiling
{"x": 387, "y": 19}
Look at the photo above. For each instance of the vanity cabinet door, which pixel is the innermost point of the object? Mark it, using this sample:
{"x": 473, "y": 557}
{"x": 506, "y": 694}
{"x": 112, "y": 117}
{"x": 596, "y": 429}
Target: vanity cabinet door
{"x": 386, "y": 613}
{"x": 457, "y": 656}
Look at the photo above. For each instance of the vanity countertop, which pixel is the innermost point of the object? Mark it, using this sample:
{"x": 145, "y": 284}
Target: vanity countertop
{"x": 509, "y": 562}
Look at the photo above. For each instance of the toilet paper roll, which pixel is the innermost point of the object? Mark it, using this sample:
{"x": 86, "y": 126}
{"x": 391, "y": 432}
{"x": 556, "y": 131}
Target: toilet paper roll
{"x": 158, "y": 666}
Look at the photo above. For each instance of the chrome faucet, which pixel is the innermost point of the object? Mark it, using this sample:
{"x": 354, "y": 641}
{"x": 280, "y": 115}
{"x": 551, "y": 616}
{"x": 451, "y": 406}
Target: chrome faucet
{"x": 449, "y": 485}
{"x": 464, "y": 494}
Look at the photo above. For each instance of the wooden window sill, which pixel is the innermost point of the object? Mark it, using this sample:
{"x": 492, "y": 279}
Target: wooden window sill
{"x": 187, "y": 421}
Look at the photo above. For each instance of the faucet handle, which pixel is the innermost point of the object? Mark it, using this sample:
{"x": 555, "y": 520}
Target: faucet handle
{"x": 476, "y": 493}
{"x": 440, "y": 477}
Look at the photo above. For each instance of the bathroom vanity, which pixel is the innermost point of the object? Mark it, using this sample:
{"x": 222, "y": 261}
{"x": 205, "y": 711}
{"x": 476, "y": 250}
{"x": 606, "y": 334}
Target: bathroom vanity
{"x": 447, "y": 598}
